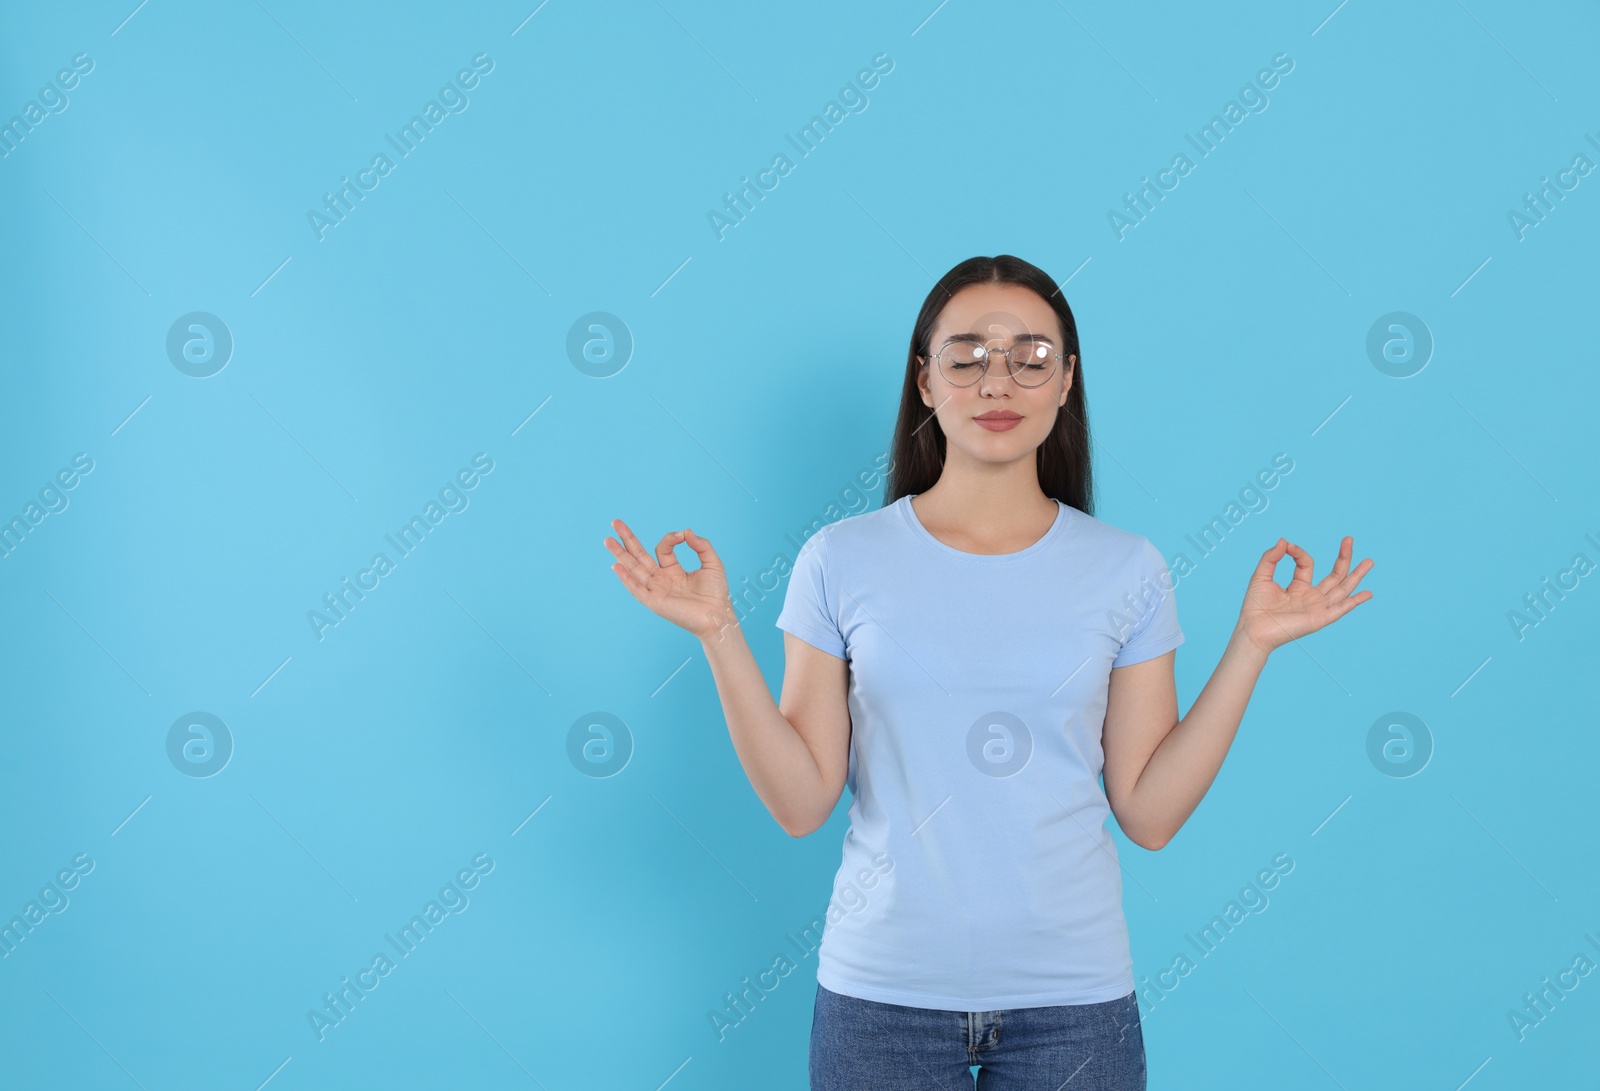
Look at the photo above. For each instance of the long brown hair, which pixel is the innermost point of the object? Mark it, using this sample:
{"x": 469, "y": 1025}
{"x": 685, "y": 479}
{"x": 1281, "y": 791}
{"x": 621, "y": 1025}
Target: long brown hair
{"x": 918, "y": 446}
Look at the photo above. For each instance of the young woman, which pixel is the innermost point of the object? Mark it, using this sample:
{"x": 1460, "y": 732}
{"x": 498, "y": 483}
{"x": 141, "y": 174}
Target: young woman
{"x": 971, "y": 659}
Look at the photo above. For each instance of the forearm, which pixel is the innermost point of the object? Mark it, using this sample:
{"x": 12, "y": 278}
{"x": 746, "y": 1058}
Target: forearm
{"x": 776, "y": 760}
{"x": 1182, "y": 768}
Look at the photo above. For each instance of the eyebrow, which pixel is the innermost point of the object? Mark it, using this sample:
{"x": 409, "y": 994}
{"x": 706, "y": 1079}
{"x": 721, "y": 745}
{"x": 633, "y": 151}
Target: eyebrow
{"x": 974, "y": 336}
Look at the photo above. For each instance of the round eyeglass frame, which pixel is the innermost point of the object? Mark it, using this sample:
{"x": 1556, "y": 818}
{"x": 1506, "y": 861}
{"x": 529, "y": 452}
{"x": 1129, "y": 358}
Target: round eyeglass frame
{"x": 1011, "y": 368}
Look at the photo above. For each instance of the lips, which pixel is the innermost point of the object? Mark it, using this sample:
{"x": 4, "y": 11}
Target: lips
{"x": 998, "y": 420}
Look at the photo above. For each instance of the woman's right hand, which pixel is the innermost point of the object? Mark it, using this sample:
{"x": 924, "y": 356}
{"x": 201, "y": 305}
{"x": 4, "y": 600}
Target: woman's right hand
{"x": 697, "y": 601}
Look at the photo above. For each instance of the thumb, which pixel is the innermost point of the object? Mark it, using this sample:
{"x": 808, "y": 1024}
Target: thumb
{"x": 1269, "y": 561}
{"x": 702, "y": 548}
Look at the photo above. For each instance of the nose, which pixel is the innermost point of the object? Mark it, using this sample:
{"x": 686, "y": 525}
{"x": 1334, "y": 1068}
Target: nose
{"x": 992, "y": 375}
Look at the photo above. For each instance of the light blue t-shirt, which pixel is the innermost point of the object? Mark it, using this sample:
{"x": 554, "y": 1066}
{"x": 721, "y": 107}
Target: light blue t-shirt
{"x": 977, "y": 872}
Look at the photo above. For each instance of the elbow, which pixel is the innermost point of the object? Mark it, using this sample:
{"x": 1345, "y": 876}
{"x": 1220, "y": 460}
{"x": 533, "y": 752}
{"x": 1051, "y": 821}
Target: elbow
{"x": 814, "y": 816}
{"x": 799, "y": 828}
{"x": 1137, "y": 829}
{"x": 1152, "y": 842}
{"x": 806, "y": 824}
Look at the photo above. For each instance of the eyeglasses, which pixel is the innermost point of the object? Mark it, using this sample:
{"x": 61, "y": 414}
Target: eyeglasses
{"x": 963, "y": 363}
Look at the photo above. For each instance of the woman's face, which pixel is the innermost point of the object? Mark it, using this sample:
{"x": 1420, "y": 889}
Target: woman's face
{"x": 1000, "y": 316}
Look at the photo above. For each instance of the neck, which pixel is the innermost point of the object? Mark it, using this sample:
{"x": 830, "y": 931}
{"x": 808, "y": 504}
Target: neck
{"x": 1005, "y": 502}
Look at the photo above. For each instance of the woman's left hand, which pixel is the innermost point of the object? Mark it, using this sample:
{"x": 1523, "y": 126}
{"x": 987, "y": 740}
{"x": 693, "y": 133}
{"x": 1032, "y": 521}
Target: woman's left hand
{"x": 1273, "y": 615}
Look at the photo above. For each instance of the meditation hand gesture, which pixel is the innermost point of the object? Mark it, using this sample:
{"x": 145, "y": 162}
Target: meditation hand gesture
{"x": 697, "y": 601}
{"x": 1273, "y": 615}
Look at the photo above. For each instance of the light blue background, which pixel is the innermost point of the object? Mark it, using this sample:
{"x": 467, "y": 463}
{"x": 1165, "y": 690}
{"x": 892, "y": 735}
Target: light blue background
{"x": 372, "y": 765}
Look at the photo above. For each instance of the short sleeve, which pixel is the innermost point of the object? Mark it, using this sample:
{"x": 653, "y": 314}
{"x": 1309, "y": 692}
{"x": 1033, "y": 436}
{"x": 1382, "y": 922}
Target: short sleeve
{"x": 808, "y": 612}
{"x": 1151, "y": 611}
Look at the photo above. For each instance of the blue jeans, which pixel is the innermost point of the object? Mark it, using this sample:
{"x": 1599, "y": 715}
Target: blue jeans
{"x": 862, "y": 1045}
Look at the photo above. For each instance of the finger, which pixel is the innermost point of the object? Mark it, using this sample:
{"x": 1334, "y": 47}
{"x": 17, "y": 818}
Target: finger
{"x": 1344, "y": 606}
{"x": 630, "y": 555}
{"x": 638, "y": 570}
{"x": 1302, "y": 566}
{"x": 1341, "y": 563}
{"x": 664, "y": 554}
{"x": 629, "y": 580}
{"x": 1269, "y": 562}
{"x": 702, "y": 549}
{"x": 635, "y": 576}
{"x": 1348, "y": 584}
{"x": 631, "y": 541}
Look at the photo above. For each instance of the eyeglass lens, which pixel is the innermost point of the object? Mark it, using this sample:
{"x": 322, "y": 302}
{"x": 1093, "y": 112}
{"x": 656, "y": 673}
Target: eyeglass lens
{"x": 1030, "y": 362}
